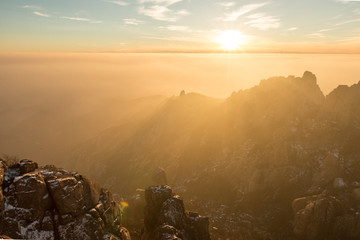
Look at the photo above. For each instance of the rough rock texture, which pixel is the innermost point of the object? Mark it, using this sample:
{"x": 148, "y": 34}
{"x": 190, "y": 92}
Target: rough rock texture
{"x": 51, "y": 203}
{"x": 165, "y": 217}
{"x": 330, "y": 215}
{"x": 315, "y": 215}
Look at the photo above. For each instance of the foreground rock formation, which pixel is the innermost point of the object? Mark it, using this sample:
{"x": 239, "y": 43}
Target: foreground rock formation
{"x": 51, "y": 203}
{"x": 165, "y": 217}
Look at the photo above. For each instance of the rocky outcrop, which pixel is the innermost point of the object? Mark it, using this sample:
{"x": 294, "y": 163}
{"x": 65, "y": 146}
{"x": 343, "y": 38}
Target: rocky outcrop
{"x": 331, "y": 215}
{"x": 165, "y": 217}
{"x": 51, "y": 203}
{"x": 315, "y": 216}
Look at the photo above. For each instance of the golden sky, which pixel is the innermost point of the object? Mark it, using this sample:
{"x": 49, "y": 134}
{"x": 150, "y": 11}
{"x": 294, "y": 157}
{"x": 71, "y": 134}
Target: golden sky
{"x": 306, "y": 26}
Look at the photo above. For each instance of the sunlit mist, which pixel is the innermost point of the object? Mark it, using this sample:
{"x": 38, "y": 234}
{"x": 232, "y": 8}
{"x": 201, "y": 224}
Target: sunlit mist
{"x": 180, "y": 119}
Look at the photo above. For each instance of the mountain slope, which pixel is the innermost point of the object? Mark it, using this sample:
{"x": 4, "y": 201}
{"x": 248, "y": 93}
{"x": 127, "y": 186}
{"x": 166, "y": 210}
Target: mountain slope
{"x": 252, "y": 154}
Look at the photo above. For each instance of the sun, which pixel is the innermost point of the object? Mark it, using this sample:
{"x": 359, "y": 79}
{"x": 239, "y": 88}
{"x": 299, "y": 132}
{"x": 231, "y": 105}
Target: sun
{"x": 230, "y": 39}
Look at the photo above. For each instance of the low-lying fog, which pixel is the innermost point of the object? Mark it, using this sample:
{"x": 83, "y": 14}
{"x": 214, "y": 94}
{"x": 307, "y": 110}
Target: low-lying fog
{"x": 50, "y": 103}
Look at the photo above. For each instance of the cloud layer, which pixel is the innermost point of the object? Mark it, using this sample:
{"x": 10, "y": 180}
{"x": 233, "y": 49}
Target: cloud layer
{"x": 233, "y": 16}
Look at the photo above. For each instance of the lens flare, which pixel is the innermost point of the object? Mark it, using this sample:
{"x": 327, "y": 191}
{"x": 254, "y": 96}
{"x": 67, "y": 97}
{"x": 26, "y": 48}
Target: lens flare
{"x": 124, "y": 204}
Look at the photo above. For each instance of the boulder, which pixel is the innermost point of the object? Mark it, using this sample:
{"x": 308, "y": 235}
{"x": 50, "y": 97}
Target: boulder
{"x": 110, "y": 236}
{"x": 167, "y": 232}
{"x": 156, "y": 196}
{"x": 314, "y": 216}
{"x": 67, "y": 193}
{"x": 26, "y": 166}
{"x": 199, "y": 226}
{"x": 165, "y": 217}
{"x": 173, "y": 213}
{"x": 31, "y": 193}
{"x": 85, "y": 227}
{"x": 91, "y": 192}
{"x": 108, "y": 210}
{"x": 12, "y": 228}
{"x": 123, "y": 233}
{"x": 10, "y": 174}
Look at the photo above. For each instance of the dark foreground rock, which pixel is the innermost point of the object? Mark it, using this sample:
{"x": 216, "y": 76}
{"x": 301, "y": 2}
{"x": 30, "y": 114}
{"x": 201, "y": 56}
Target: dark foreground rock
{"x": 165, "y": 217}
{"x": 51, "y": 203}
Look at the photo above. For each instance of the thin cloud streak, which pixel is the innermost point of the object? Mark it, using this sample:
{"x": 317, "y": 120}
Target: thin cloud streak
{"x": 162, "y": 13}
{"x": 292, "y": 29}
{"x": 41, "y": 14}
{"x": 349, "y": 21}
{"x": 243, "y": 10}
{"x": 326, "y": 29}
{"x": 178, "y": 39}
{"x": 120, "y": 3}
{"x": 226, "y": 4}
{"x": 177, "y": 28}
{"x": 132, "y": 21}
{"x": 263, "y": 22}
{"x": 32, "y": 7}
{"x": 161, "y": 2}
{"x": 316, "y": 35}
{"x": 79, "y": 19}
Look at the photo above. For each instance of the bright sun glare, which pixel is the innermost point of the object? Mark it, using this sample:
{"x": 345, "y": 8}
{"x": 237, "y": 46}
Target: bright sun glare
{"x": 230, "y": 39}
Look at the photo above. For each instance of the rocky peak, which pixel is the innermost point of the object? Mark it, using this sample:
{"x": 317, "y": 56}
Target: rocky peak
{"x": 342, "y": 104}
{"x": 287, "y": 93}
{"x": 165, "y": 217}
{"x": 309, "y": 77}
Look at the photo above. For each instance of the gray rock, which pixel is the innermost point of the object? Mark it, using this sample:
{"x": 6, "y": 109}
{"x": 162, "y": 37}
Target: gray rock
{"x": 67, "y": 193}
{"x": 55, "y": 204}
{"x": 165, "y": 217}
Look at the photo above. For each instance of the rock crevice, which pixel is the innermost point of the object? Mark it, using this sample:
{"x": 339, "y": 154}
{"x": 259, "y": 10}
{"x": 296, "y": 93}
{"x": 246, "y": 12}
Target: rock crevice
{"x": 52, "y": 203}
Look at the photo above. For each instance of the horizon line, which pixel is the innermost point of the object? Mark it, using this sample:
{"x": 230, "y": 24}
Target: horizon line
{"x": 184, "y": 52}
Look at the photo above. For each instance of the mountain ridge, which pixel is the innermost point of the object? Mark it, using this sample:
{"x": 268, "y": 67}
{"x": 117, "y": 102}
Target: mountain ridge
{"x": 254, "y": 152}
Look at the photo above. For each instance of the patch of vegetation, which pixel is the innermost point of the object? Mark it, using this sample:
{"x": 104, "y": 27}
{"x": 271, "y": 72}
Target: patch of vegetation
{"x": 10, "y": 160}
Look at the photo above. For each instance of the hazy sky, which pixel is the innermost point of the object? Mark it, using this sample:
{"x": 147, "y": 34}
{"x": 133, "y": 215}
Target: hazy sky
{"x": 179, "y": 25}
